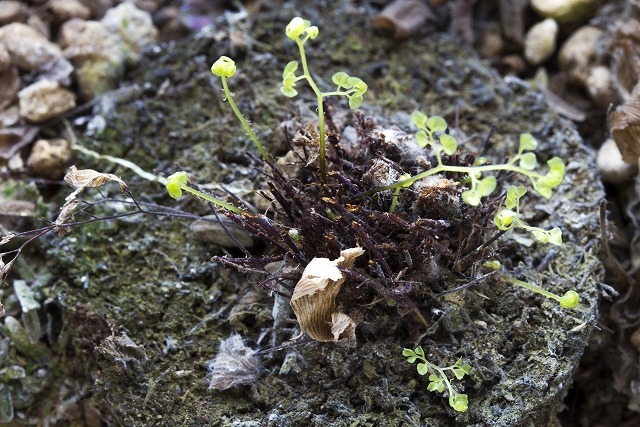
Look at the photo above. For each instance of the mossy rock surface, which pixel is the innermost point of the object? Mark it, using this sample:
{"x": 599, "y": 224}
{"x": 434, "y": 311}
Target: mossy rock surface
{"x": 144, "y": 277}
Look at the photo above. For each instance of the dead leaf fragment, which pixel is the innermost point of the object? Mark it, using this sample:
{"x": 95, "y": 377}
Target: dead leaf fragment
{"x": 403, "y": 17}
{"x": 314, "y": 299}
{"x": 624, "y": 126}
{"x": 89, "y": 178}
{"x": 235, "y": 364}
{"x": 81, "y": 179}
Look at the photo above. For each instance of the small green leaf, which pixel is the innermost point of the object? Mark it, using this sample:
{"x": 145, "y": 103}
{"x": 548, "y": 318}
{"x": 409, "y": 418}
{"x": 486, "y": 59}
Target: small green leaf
{"x": 486, "y": 186}
{"x": 528, "y": 161}
{"x": 556, "y": 165}
{"x": 555, "y": 236}
{"x": 527, "y": 142}
{"x": 437, "y": 124}
{"x": 422, "y": 368}
{"x": 471, "y": 197}
{"x": 340, "y": 78}
{"x": 435, "y": 378}
{"x": 290, "y": 68}
{"x": 449, "y": 144}
{"x": 361, "y": 88}
{"x": 542, "y": 188}
{"x": 419, "y": 119}
{"x": 480, "y": 161}
{"x": 419, "y": 351}
{"x": 355, "y": 101}
{"x": 407, "y": 352}
{"x": 432, "y": 386}
{"x": 422, "y": 139}
{"x": 541, "y": 236}
{"x": 358, "y": 85}
{"x": 459, "y": 373}
{"x": 288, "y": 91}
{"x": 514, "y": 193}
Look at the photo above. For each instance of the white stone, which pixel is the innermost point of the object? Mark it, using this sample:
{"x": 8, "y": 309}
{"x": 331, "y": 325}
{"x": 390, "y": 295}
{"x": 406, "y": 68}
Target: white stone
{"x": 566, "y": 11}
{"x": 12, "y": 11}
{"x": 614, "y": 170}
{"x": 44, "y": 100}
{"x": 49, "y": 157}
{"x": 29, "y": 49}
{"x": 134, "y": 27}
{"x": 600, "y": 86}
{"x": 68, "y": 9}
{"x": 578, "y": 54}
{"x": 96, "y": 54}
{"x": 540, "y": 41}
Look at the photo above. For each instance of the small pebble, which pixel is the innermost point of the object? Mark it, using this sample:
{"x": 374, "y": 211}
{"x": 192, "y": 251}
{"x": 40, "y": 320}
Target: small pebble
{"x": 566, "y": 11}
{"x": 12, "y": 11}
{"x": 209, "y": 230}
{"x": 614, "y": 170}
{"x": 138, "y": 32}
{"x": 45, "y": 100}
{"x": 600, "y": 87}
{"x": 578, "y": 54}
{"x": 540, "y": 41}
{"x": 50, "y": 157}
{"x": 28, "y": 48}
{"x": 67, "y": 9}
{"x": 96, "y": 54}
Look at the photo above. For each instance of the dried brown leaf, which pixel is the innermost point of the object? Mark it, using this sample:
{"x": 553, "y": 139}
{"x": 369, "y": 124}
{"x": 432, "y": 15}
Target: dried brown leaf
{"x": 314, "y": 299}
{"x": 81, "y": 179}
{"x": 403, "y": 17}
{"x": 235, "y": 364}
{"x": 624, "y": 126}
{"x": 84, "y": 178}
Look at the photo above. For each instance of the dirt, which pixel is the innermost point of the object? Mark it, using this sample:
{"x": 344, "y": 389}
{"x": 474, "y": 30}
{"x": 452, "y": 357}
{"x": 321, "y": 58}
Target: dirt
{"x": 143, "y": 310}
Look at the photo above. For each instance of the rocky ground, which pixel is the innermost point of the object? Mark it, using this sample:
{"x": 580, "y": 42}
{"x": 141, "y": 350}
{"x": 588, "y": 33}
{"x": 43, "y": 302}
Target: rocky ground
{"x": 68, "y": 63}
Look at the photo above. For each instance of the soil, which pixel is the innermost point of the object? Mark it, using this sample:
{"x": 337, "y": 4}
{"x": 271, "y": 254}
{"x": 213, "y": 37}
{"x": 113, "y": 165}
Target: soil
{"x": 135, "y": 311}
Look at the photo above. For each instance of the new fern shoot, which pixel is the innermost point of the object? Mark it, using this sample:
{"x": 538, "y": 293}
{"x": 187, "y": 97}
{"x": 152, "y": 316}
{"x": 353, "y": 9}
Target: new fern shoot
{"x": 439, "y": 381}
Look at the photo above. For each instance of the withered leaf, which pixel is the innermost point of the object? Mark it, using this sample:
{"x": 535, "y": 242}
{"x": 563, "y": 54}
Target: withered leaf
{"x": 89, "y": 178}
{"x": 81, "y": 179}
{"x": 314, "y": 299}
{"x": 624, "y": 126}
{"x": 403, "y": 17}
{"x": 235, "y": 364}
